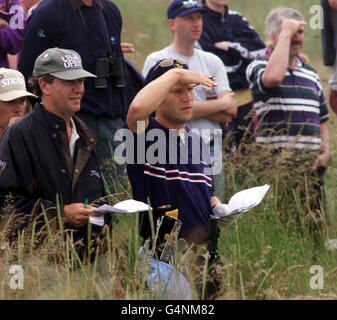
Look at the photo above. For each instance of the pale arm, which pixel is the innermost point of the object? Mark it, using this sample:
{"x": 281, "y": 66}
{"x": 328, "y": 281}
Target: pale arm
{"x": 221, "y": 109}
{"x": 151, "y": 96}
{"x": 223, "y": 45}
{"x": 279, "y": 59}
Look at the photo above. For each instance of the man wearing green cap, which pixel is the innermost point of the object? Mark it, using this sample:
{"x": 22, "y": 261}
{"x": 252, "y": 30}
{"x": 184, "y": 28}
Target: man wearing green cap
{"x": 48, "y": 154}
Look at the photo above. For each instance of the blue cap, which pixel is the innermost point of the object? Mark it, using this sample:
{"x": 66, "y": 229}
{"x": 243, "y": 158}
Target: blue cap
{"x": 164, "y": 65}
{"x": 180, "y": 8}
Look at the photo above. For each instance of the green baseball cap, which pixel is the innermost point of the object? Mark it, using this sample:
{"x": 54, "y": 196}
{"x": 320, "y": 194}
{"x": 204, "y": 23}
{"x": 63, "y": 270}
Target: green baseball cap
{"x": 61, "y": 63}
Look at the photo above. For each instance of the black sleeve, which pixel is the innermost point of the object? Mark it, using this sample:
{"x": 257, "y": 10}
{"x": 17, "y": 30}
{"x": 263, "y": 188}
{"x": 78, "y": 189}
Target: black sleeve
{"x": 17, "y": 181}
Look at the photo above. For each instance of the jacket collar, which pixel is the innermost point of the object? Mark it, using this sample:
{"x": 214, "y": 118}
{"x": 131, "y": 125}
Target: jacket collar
{"x": 216, "y": 15}
{"x": 56, "y": 123}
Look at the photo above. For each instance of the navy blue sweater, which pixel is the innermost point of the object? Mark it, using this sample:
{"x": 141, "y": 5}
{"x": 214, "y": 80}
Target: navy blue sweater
{"x": 244, "y": 43}
{"x": 57, "y": 23}
{"x": 183, "y": 183}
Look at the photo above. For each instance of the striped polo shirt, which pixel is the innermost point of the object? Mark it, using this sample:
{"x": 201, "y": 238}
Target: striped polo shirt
{"x": 184, "y": 182}
{"x": 289, "y": 115}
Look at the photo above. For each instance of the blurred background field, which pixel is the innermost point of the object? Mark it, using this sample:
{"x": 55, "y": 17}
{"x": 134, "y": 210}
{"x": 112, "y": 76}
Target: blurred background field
{"x": 145, "y": 23}
{"x": 261, "y": 258}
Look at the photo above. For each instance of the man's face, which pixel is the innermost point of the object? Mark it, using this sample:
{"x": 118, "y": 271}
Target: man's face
{"x": 11, "y": 109}
{"x": 296, "y": 43}
{"x": 64, "y": 96}
{"x": 188, "y": 27}
{"x": 177, "y": 109}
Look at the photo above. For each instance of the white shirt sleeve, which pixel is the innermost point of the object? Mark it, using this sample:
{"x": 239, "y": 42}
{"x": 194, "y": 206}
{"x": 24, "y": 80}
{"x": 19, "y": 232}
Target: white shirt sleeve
{"x": 220, "y": 75}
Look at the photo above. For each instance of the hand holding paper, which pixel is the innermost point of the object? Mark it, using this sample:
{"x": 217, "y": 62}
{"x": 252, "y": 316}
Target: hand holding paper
{"x": 240, "y": 202}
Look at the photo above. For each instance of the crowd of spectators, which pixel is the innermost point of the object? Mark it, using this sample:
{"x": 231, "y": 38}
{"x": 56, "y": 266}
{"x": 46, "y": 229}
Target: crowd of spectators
{"x": 64, "y": 144}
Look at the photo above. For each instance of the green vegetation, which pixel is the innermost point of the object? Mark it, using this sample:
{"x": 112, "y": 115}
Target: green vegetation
{"x": 261, "y": 257}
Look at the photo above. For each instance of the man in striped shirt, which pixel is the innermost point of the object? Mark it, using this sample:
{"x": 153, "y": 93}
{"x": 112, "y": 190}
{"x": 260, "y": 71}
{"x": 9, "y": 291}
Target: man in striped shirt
{"x": 288, "y": 95}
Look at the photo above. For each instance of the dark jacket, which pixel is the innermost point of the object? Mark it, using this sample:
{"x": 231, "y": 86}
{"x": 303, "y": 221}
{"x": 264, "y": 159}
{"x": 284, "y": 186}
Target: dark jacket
{"x": 58, "y": 23}
{"x": 245, "y": 43}
{"x": 329, "y": 34}
{"x": 36, "y": 166}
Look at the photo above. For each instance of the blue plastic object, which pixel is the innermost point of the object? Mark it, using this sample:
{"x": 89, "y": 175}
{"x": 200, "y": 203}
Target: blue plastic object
{"x": 167, "y": 284}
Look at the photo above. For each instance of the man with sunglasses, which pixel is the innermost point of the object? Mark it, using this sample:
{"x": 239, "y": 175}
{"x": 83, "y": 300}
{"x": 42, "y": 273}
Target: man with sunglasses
{"x": 183, "y": 183}
{"x": 213, "y": 107}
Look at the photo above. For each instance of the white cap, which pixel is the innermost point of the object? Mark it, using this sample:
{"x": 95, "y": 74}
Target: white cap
{"x": 12, "y": 85}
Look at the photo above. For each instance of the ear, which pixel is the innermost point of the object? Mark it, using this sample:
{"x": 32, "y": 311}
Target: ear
{"x": 171, "y": 24}
{"x": 273, "y": 38}
{"x": 44, "y": 86}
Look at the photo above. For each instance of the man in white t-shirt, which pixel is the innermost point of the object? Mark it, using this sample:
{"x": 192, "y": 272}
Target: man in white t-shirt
{"x": 212, "y": 107}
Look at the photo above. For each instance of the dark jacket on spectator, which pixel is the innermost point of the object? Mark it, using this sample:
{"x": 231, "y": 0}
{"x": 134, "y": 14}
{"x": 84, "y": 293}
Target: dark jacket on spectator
{"x": 58, "y": 23}
{"x": 36, "y": 166}
{"x": 244, "y": 43}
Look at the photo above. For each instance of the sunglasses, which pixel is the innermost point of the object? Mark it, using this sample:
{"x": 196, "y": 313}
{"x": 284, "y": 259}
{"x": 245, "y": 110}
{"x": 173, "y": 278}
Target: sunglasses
{"x": 188, "y": 4}
{"x": 168, "y": 62}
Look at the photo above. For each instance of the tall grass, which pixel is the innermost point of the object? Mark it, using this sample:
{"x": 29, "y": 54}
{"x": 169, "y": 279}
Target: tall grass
{"x": 261, "y": 257}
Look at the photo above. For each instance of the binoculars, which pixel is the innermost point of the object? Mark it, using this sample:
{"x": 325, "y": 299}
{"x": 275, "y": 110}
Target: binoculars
{"x": 109, "y": 67}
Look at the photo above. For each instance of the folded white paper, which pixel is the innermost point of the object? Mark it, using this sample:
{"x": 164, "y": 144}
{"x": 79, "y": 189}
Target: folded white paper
{"x": 99, "y": 221}
{"x": 124, "y": 207}
{"x": 246, "y": 199}
{"x": 240, "y": 202}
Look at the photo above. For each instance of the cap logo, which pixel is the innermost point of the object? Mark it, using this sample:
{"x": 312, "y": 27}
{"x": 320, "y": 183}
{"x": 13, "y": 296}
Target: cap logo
{"x": 191, "y": 3}
{"x": 71, "y": 61}
{"x": 12, "y": 82}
